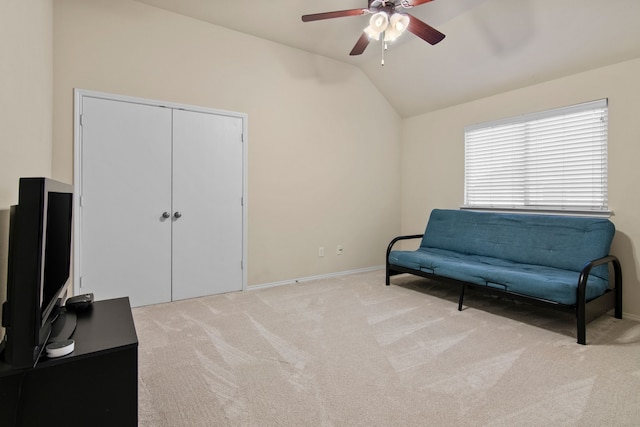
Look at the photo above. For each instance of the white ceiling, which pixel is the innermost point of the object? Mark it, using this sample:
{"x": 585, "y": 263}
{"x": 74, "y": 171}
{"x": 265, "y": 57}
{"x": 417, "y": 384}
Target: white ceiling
{"x": 491, "y": 46}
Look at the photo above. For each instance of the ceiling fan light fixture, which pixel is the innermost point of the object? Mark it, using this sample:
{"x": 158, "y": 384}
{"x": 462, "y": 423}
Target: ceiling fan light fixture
{"x": 391, "y": 36}
{"x": 371, "y": 33}
{"x": 397, "y": 25}
{"x": 379, "y": 22}
{"x": 399, "y": 22}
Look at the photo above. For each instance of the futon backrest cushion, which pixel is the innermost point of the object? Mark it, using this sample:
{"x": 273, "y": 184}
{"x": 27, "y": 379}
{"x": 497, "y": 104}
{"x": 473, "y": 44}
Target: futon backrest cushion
{"x": 550, "y": 240}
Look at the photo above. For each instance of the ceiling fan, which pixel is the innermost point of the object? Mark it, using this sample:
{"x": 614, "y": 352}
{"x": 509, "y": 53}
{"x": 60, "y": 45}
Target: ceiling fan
{"x": 387, "y": 22}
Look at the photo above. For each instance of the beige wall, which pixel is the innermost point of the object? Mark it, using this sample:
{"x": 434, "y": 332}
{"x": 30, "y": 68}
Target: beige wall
{"x": 433, "y": 154}
{"x": 25, "y": 86}
{"x": 26, "y": 77}
{"x": 323, "y": 143}
{"x": 324, "y": 164}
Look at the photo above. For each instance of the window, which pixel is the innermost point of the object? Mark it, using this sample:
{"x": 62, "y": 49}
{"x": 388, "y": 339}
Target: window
{"x": 553, "y": 160}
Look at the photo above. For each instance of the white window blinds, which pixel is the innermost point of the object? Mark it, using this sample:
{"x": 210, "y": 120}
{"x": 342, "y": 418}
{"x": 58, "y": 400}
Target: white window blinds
{"x": 552, "y": 160}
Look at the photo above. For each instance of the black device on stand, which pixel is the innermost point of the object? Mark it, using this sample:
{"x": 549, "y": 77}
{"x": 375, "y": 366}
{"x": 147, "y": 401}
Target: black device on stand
{"x": 39, "y": 267}
{"x": 79, "y": 302}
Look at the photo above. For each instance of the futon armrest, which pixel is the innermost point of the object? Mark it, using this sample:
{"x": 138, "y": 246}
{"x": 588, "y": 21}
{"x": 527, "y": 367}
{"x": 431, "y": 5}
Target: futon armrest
{"x": 397, "y": 239}
{"x": 617, "y": 280}
{"x": 393, "y": 242}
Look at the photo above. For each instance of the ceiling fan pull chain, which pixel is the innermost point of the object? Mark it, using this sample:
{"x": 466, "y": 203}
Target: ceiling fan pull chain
{"x": 383, "y": 44}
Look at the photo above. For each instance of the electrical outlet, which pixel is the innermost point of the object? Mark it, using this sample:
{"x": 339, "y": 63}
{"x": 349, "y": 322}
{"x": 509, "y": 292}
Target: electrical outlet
{"x": 339, "y": 250}
{"x": 321, "y": 251}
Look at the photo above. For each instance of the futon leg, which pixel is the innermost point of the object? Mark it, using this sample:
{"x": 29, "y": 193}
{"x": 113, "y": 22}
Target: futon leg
{"x": 387, "y": 280}
{"x": 618, "y": 290}
{"x": 582, "y": 333}
{"x": 461, "y": 298}
{"x": 581, "y": 320}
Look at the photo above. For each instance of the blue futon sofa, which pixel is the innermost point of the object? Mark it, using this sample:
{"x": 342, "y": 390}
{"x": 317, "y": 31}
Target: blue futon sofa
{"x": 558, "y": 261}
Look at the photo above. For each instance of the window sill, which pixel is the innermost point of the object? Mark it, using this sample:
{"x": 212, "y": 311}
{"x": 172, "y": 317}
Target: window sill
{"x": 541, "y": 211}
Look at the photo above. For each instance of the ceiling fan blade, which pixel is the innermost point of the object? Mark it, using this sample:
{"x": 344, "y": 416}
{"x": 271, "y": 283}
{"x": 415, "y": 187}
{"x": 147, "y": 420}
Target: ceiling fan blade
{"x": 424, "y": 31}
{"x": 360, "y": 45}
{"x": 336, "y": 14}
{"x": 417, "y": 2}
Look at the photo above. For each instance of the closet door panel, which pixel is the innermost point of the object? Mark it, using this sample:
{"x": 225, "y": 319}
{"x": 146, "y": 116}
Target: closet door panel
{"x": 207, "y": 197}
{"x": 126, "y": 187}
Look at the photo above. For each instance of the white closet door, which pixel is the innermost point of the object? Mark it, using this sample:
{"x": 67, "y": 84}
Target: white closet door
{"x": 207, "y": 197}
{"x": 126, "y": 188}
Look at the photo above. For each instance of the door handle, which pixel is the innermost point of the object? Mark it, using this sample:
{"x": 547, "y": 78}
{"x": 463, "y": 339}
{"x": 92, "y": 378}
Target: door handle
{"x": 166, "y": 215}
{"x": 177, "y": 215}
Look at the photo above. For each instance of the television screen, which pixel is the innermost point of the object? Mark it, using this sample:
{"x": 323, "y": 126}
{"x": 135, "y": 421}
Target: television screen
{"x": 57, "y": 256}
{"x": 38, "y": 267}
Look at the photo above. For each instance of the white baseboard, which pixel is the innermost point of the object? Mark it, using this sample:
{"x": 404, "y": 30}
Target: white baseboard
{"x": 630, "y": 316}
{"x": 319, "y": 277}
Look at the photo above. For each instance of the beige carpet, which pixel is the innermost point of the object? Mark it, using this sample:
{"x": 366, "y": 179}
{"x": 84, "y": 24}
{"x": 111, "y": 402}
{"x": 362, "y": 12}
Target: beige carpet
{"x": 352, "y": 352}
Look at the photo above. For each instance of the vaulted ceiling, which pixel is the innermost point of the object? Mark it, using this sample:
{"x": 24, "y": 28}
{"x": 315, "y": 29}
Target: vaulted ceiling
{"x": 491, "y": 46}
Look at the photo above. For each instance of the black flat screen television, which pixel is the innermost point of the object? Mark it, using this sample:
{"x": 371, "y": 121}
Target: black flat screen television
{"x": 39, "y": 267}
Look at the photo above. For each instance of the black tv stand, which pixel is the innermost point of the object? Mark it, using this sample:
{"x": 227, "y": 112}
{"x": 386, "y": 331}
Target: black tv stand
{"x": 64, "y": 326}
{"x": 98, "y": 380}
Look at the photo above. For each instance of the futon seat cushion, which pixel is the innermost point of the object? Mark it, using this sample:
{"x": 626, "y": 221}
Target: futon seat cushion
{"x": 537, "y": 281}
